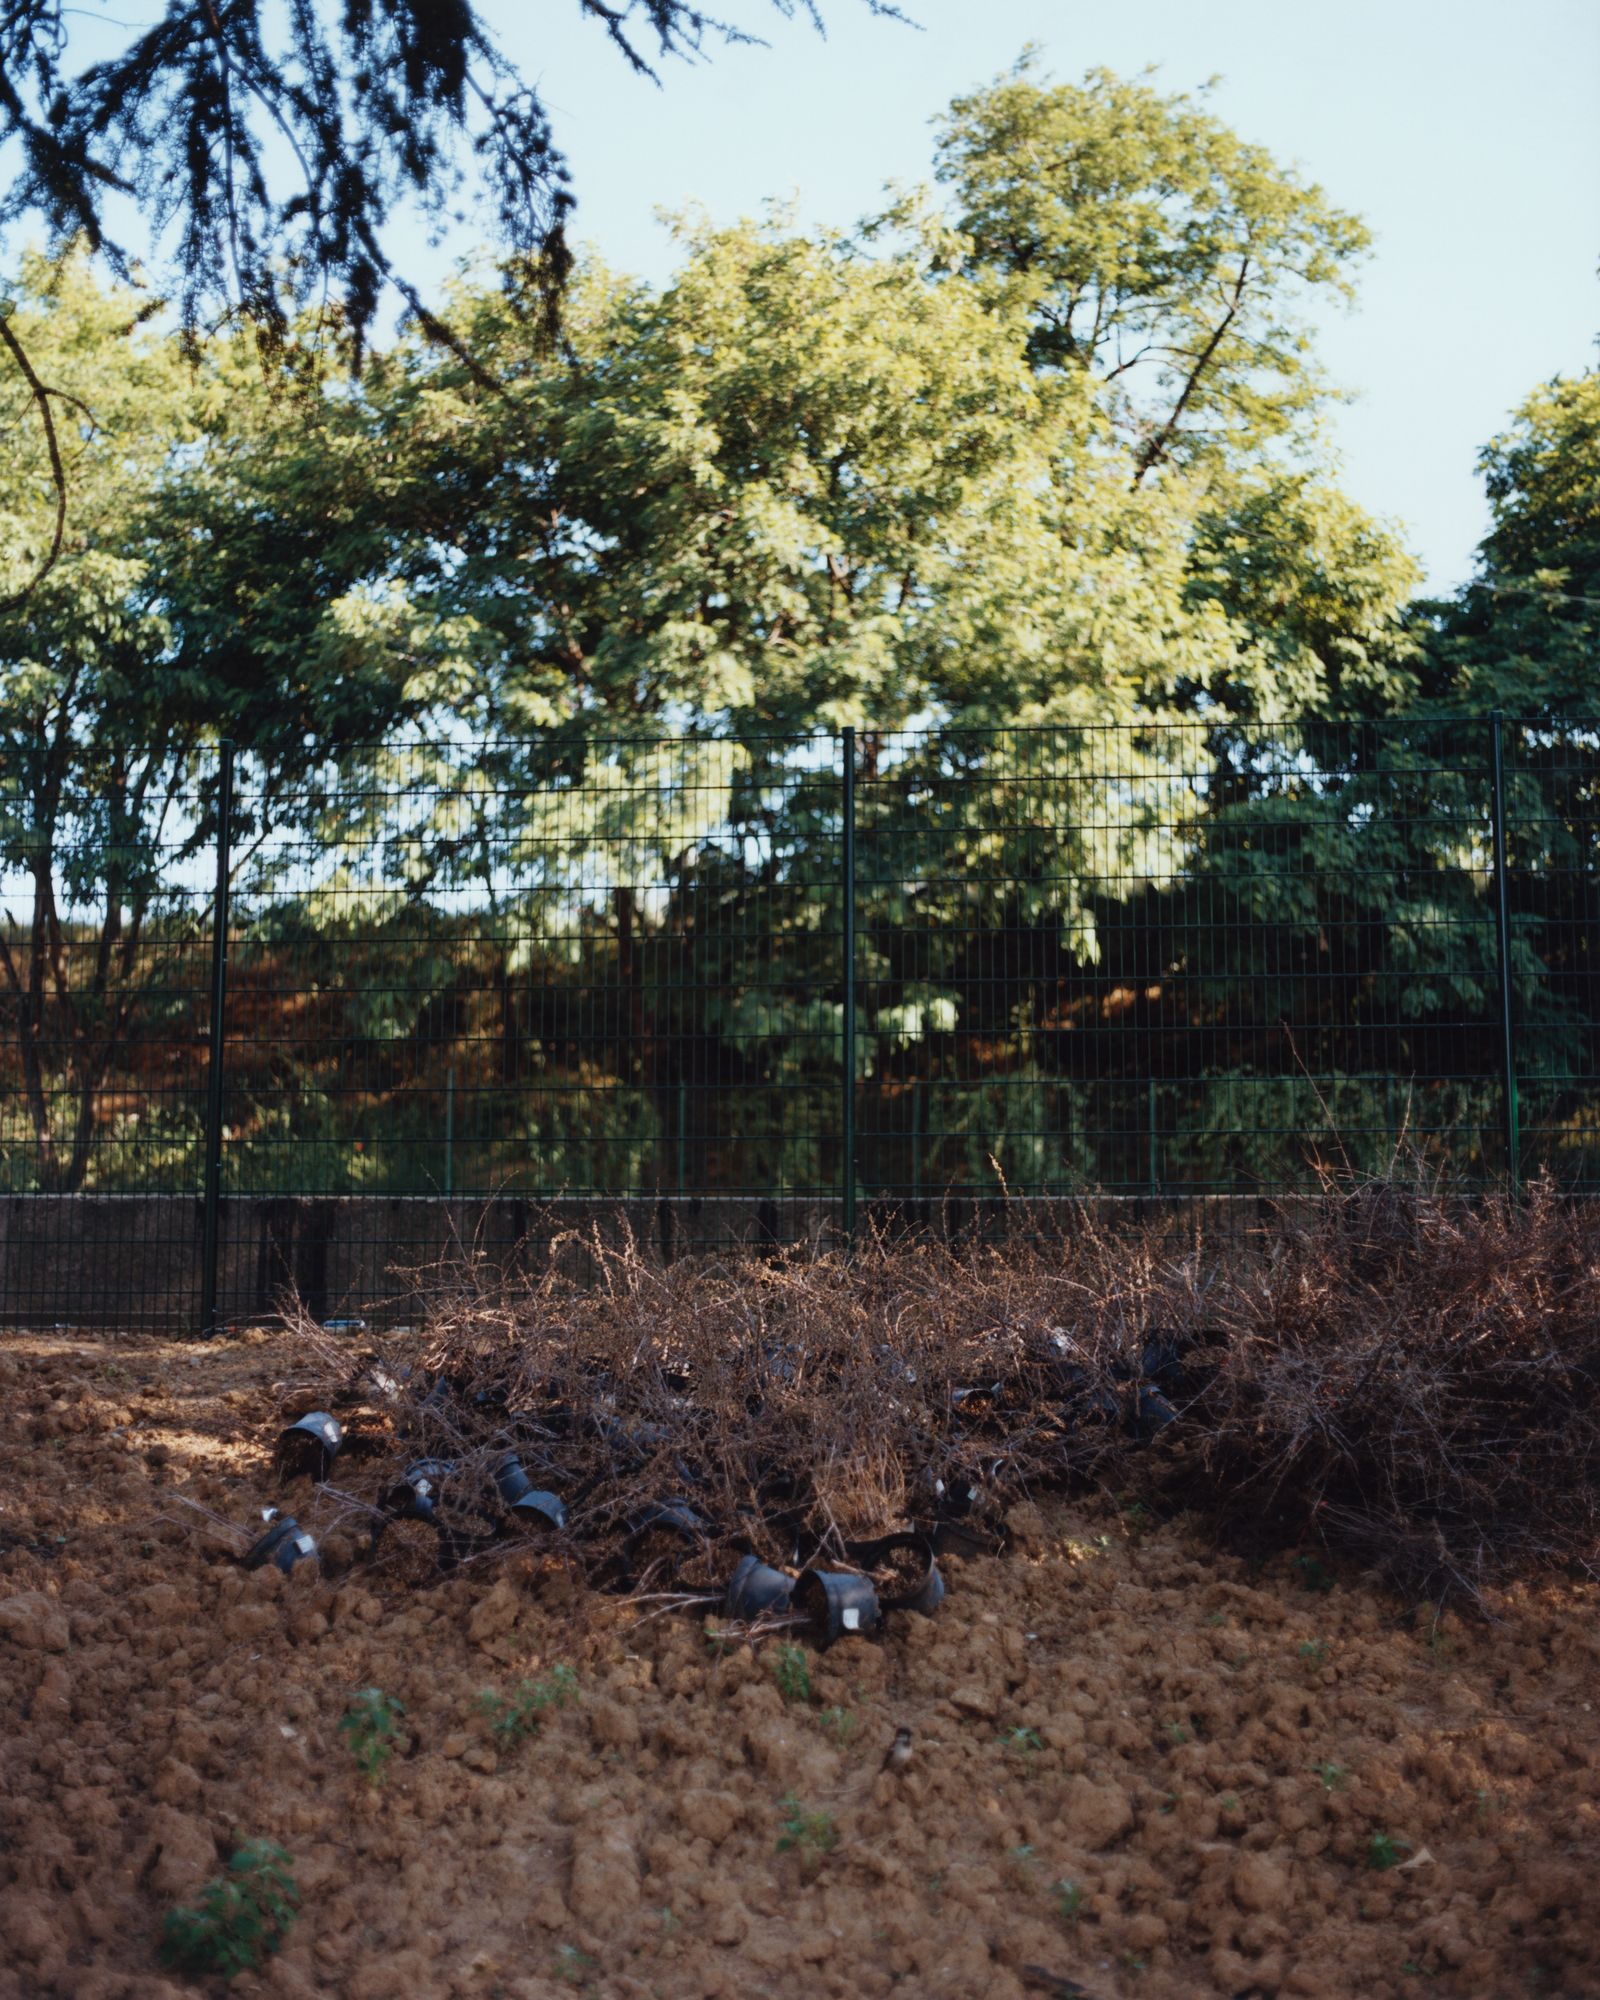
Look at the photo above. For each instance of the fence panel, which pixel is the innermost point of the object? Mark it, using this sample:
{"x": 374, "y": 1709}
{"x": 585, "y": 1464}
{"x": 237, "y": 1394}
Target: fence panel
{"x": 709, "y": 993}
{"x": 105, "y": 938}
{"x": 1553, "y": 889}
{"x": 1212, "y": 961}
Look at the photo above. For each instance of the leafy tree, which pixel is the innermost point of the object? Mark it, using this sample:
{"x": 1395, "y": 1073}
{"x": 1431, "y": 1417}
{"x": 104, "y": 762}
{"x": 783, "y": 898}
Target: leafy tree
{"x": 1154, "y": 250}
{"x": 185, "y": 605}
{"x": 1524, "y": 634}
{"x": 279, "y": 144}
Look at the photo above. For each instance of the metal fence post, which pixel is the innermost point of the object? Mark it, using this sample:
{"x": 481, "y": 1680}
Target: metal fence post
{"x": 847, "y": 866}
{"x": 1502, "y": 924}
{"x": 211, "y": 1239}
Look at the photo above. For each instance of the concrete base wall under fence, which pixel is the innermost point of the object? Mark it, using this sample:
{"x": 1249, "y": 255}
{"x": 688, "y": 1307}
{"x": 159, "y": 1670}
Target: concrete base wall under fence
{"x": 133, "y": 1260}
{"x": 123, "y": 1261}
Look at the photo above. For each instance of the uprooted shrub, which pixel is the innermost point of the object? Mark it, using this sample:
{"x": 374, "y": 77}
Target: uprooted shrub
{"x": 1391, "y": 1373}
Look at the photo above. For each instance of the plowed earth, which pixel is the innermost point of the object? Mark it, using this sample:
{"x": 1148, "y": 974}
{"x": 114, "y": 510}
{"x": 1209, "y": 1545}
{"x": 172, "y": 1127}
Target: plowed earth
{"x": 1204, "y": 1753}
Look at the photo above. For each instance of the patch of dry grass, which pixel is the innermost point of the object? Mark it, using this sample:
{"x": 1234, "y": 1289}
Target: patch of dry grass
{"x": 1392, "y": 1374}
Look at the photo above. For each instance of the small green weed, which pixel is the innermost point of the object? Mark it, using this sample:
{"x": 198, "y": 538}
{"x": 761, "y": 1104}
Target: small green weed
{"x": 240, "y": 1919}
{"x": 1441, "y": 1647}
{"x": 1175, "y": 1734}
{"x": 572, "y": 1967}
{"x": 1384, "y": 1850}
{"x": 1313, "y": 1574}
{"x": 1022, "y": 1742}
{"x": 1314, "y": 1652}
{"x": 370, "y": 1726}
{"x": 515, "y": 1717}
{"x": 1333, "y": 1775}
{"x": 1068, "y": 1897}
{"x": 838, "y": 1724}
{"x": 807, "y": 1833}
{"x": 792, "y": 1671}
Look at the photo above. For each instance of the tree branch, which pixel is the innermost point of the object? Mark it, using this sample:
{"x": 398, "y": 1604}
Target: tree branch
{"x": 41, "y": 399}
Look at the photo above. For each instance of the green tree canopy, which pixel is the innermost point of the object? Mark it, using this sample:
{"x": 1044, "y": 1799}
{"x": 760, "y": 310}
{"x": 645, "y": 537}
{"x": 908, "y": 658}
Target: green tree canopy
{"x": 1153, "y": 249}
{"x": 1524, "y": 634}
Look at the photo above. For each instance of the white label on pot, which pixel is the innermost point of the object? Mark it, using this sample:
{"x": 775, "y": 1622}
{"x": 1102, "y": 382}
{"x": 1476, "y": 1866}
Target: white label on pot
{"x": 304, "y": 1544}
{"x": 972, "y": 1492}
{"x": 422, "y": 1489}
{"x": 850, "y": 1618}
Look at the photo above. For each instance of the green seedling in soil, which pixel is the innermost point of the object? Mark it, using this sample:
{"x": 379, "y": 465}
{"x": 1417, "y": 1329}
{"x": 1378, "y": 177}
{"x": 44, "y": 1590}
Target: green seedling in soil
{"x": 514, "y": 1718}
{"x": 1333, "y": 1776}
{"x": 1137, "y": 1516}
{"x": 792, "y": 1672}
{"x": 370, "y": 1727}
{"x": 811, "y": 1834}
{"x": 1068, "y": 1900}
{"x": 1216, "y": 1618}
{"x": 1176, "y": 1734}
{"x": 572, "y": 1967}
{"x": 1313, "y": 1574}
{"x": 839, "y": 1724}
{"x": 1021, "y": 1859}
{"x": 670, "y": 1921}
{"x": 1314, "y": 1652}
{"x": 1169, "y": 1803}
{"x": 1132, "y": 1961}
{"x": 1023, "y": 1742}
{"x": 240, "y": 1919}
{"x": 1384, "y": 1850}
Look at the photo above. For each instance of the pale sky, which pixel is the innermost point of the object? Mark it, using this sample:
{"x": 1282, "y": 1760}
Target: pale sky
{"x": 1465, "y": 132}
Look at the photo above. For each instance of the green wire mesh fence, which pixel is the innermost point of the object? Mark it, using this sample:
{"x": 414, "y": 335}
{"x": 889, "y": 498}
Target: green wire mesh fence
{"x": 263, "y": 1030}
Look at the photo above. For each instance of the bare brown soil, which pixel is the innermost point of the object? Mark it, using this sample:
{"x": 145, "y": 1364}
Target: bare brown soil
{"x": 1203, "y": 1751}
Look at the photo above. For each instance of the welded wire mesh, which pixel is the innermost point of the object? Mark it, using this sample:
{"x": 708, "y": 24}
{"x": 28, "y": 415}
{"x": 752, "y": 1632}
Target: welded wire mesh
{"x": 706, "y": 992}
{"x": 105, "y": 940}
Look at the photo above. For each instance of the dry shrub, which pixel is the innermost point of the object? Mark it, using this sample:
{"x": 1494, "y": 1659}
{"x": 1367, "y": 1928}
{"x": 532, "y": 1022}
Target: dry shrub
{"x": 1411, "y": 1377}
{"x": 1391, "y": 1372}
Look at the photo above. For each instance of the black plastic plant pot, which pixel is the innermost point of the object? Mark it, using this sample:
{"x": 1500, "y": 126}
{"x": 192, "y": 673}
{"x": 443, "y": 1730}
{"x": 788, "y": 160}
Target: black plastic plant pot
{"x": 510, "y": 1481}
{"x": 927, "y": 1596}
{"x": 283, "y": 1545}
{"x": 527, "y": 1502}
{"x": 912, "y": 1582}
{"x": 677, "y": 1517}
{"x": 663, "y": 1533}
{"x": 956, "y": 1497}
{"x": 755, "y": 1587}
{"x": 1152, "y": 1411}
{"x": 415, "y": 1496}
{"x": 537, "y": 1508}
{"x": 838, "y": 1603}
{"x": 307, "y": 1449}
